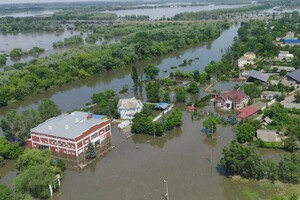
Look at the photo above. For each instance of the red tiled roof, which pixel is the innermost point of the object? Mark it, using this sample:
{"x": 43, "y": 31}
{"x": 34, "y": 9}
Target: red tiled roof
{"x": 235, "y": 96}
{"x": 191, "y": 108}
{"x": 247, "y": 112}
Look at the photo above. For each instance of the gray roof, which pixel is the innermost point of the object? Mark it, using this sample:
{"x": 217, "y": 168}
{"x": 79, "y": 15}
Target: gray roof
{"x": 129, "y": 103}
{"x": 295, "y": 75}
{"x": 270, "y": 93}
{"x": 268, "y": 135}
{"x": 259, "y": 75}
{"x": 67, "y": 125}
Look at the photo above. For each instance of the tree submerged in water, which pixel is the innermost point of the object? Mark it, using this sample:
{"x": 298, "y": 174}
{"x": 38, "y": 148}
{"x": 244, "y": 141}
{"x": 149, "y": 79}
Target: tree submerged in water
{"x": 90, "y": 154}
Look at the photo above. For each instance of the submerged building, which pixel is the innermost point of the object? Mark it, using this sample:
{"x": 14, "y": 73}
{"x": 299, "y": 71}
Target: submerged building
{"x": 70, "y": 134}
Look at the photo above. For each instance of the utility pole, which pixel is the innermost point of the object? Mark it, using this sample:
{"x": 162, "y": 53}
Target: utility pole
{"x": 167, "y": 189}
{"x": 153, "y": 129}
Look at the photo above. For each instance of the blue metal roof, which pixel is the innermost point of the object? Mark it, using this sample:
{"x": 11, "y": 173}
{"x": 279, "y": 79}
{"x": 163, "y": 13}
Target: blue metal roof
{"x": 162, "y": 105}
{"x": 292, "y": 41}
{"x": 99, "y": 116}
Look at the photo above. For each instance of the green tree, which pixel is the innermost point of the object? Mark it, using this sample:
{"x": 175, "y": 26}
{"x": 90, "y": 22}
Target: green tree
{"x": 151, "y": 71}
{"x": 1, "y": 161}
{"x": 210, "y": 124}
{"x": 252, "y": 90}
{"x": 193, "y": 87}
{"x": 106, "y": 103}
{"x": 3, "y": 59}
{"x": 196, "y": 75}
{"x": 152, "y": 91}
{"x": 16, "y": 52}
{"x": 181, "y": 94}
{"x": 239, "y": 159}
{"x": 289, "y": 144}
{"x": 297, "y": 98}
{"x": 35, "y": 181}
{"x": 33, "y": 157}
{"x": 289, "y": 168}
{"x": 245, "y": 133}
{"x": 7, "y": 194}
{"x": 48, "y": 109}
{"x": 135, "y": 78}
{"x": 90, "y": 153}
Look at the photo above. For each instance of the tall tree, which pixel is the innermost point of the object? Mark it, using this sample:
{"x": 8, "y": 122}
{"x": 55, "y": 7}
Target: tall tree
{"x": 135, "y": 78}
{"x": 90, "y": 153}
{"x": 181, "y": 94}
{"x": 151, "y": 71}
{"x": 211, "y": 124}
{"x": 48, "y": 109}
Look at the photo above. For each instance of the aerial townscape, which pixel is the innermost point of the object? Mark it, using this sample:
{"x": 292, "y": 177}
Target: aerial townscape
{"x": 150, "y": 99}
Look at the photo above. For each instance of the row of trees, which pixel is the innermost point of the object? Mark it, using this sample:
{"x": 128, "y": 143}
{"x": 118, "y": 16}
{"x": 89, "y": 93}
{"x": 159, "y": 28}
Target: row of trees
{"x": 17, "y": 52}
{"x": 28, "y": 24}
{"x": 73, "y": 40}
{"x": 58, "y": 69}
{"x": 143, "y": 122}
{"x": 16, "y": 126}
{"x": 242, "y": 160}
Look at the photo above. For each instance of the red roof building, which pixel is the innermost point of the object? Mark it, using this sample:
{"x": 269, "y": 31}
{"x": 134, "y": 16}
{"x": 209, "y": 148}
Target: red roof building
{"x": 70, "y": 134}
{"x": 231, "y": 100}
{"x": 191, "y": 108}
{"x": 247, "y": 112}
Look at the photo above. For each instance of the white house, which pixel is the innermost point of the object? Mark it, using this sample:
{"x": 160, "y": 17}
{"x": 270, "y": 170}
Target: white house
{"x": 247, "y": 59}
{"x": 285, "y": 55}
{"x": 128, "y": 107}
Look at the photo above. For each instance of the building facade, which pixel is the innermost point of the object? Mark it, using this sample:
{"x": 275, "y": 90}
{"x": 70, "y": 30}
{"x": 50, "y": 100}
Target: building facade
{"x": 127, "y": 108}
{"x": 231, "y": 100}
{"x": 70, "y": 134}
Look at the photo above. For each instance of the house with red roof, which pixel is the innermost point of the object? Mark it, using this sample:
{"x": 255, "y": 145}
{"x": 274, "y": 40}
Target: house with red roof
{"x": 248, "y": 111}
{"x": 231, "y": 100}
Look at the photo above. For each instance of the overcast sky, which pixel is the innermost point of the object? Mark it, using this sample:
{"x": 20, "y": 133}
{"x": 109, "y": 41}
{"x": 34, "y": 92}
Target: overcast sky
{"x": 43, "y": 1}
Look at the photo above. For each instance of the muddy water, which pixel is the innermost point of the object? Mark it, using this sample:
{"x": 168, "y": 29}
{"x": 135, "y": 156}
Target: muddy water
{"x": 76, "y": 94}
{"x": 136, "y": 169}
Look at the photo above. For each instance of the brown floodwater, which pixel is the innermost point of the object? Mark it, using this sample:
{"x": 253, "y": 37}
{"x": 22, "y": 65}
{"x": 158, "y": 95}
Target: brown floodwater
{"x": 135, "y": 169}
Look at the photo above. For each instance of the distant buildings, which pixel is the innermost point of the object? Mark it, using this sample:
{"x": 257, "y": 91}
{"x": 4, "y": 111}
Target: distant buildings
{"x": 70, "y": 134}
{"x": 269, "y": 95}
{"x": 127, "y": 108}
{"x": 231, "y": 100}
{"x": 247, "y": 59}
{"x": 285, "y": 55}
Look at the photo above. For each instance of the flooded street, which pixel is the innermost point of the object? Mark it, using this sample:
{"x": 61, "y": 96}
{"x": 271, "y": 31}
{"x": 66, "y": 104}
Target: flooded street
{"x": 136, "y": 169}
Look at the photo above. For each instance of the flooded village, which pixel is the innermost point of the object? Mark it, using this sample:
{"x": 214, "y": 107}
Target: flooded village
{"x": 172, "y": 126}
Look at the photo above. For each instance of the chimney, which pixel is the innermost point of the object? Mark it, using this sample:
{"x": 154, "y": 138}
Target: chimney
{"x": 90, "y": 116}
{"x": 66, "y": 127}
{"x": 50, "y": 127}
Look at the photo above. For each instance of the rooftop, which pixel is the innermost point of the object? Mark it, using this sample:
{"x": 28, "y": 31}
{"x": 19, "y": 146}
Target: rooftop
{"x": 295, "y": 75}
{"x": 129, "y": 103}
{"x": 246, "y": 112}
{"x": 235, "y": 96}
{"x": 162, "y": 106}
{"x": 69, "y": 125}
{"x": 259, "y": 75}
{"x": 268, "y": 135}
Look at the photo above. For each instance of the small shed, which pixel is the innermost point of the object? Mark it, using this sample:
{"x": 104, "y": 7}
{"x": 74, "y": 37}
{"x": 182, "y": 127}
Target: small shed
{"x": 268, "y": 135}
{"x": 162, "y": 106}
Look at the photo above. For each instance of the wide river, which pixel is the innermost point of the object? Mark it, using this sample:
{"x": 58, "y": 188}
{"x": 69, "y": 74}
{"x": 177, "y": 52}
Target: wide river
{"x": 44, "y": 40}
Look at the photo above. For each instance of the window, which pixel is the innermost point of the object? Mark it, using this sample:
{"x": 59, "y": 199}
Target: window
{"x": 94, "y": 136}
{"x": 107, "y": 128}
